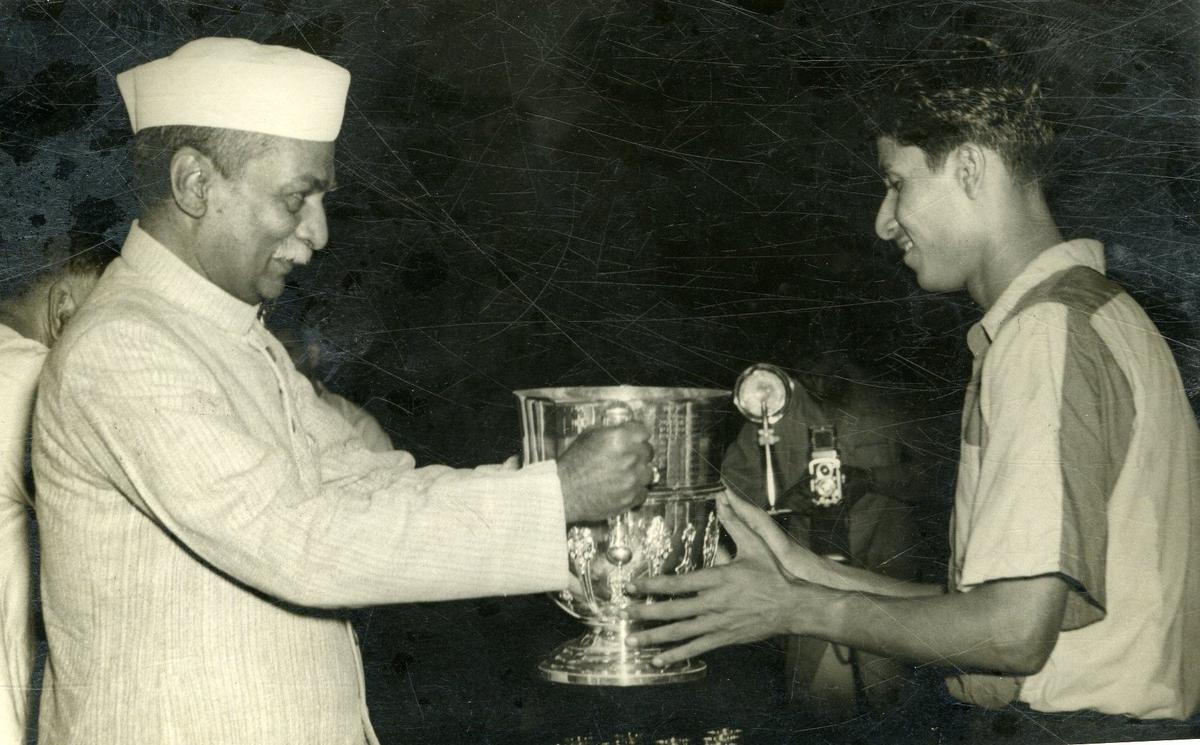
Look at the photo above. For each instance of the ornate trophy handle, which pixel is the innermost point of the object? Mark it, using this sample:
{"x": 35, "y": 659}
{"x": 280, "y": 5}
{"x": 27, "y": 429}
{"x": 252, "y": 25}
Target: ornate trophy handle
{"x": 657, "y": 545}
{"x": 618, "y": 552}
{"x": 688, "y": 539}
{"x": 581, "y": 549}
{"x": 712, "y": 537}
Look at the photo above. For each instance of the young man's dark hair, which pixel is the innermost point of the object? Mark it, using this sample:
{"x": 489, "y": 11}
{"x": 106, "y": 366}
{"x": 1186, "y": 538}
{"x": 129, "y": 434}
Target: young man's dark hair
{"x": 969, "y": 89}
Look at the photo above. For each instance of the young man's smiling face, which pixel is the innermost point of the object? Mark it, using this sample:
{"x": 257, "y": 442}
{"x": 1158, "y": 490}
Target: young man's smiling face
{"x": 268, "y": 219}
{"x": 926, "y": 213}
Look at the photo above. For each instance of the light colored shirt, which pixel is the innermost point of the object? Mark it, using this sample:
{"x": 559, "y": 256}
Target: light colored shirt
{"x": 200, "y": 508}
{"x": 366, "y": 426}
{"x": 20, "y": 363}
{"x": 1081, "y": 458}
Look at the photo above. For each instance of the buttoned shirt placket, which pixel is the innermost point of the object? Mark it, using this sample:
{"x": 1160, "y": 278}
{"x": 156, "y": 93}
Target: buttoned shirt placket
{"x": 258, "y": 340}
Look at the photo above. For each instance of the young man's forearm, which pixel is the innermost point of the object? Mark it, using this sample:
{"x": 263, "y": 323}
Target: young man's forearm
{"x": 839, "y": 576}
{"x": 1006, "y": 627}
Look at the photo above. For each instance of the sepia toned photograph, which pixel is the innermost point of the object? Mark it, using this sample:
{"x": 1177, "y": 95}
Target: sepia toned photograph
{"x": 628, "y": 372}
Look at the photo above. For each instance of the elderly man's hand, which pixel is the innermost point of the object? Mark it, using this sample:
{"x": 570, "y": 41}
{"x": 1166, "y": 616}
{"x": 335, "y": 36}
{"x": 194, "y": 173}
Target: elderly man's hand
{"x": 753, "y": 597}
{"x": 605, "y": 471}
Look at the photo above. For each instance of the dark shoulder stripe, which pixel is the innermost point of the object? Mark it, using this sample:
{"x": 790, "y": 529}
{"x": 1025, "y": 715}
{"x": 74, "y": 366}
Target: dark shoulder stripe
{"x": 1096, "y": 426}
{"x": 1080, "y": 288}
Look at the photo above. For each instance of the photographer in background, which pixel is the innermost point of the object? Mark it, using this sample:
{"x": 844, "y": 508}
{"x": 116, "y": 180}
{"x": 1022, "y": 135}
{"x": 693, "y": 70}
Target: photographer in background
{"x": 874, "y": 525}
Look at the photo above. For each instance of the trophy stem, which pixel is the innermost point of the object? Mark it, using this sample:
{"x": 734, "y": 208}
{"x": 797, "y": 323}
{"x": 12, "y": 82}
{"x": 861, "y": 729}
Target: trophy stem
{"x": 602, "y": 658}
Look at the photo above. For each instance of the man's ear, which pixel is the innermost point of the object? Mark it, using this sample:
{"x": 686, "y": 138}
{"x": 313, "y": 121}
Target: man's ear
{"x": 191, "y": 175}
{"x": 60, "y": 306}
{"x": 970, "y": 164}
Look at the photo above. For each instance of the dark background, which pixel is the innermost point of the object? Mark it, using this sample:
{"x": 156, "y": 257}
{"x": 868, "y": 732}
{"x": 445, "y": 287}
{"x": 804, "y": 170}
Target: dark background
{"x": 636, "y": 191}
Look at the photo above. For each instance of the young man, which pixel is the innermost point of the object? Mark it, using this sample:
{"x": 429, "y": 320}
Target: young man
{"x": 1075, "y": 565}
{"x": 30, "y": 322}
{"x": 200, "y": 508}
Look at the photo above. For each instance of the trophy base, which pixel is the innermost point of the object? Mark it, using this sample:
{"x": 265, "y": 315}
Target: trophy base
{"x": 601, "y": 658}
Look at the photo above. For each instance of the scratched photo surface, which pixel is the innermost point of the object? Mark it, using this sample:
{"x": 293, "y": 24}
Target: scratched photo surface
{"x": 600, "y": 192}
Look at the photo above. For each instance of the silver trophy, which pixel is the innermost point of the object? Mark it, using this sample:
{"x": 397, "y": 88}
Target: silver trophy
{"x": 674, "y": 531}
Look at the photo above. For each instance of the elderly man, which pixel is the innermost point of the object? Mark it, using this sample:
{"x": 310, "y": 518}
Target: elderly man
{"x": 1075, "y": 564}
{"x": 30, "y": 322}
{"x": 201, "y": 509}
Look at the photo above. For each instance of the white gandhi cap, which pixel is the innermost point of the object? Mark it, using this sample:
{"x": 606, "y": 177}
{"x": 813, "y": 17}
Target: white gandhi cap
{"x": 239, "y": 84}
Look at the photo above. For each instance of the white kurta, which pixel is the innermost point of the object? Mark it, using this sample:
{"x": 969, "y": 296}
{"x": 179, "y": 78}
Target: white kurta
{"x": 198, "y": 504}
{"x": 367, "y": 427}
{"x": 20, "y": 363}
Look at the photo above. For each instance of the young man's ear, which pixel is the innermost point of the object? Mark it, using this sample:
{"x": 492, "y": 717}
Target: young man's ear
{"x": 60, "y": 306}
{"x": 970, "y": 164}
{"x": 191, "y": 174}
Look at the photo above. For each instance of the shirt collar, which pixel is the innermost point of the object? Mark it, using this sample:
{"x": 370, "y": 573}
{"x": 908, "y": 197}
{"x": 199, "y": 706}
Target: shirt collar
{"x": 179, "y": 284}
{"x": 10, "y": 336}
{"x": 1079, "y": 252}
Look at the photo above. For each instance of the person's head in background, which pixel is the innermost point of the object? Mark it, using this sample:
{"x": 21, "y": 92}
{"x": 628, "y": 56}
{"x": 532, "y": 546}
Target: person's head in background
{"x": 836, "y": 352}
{"x": 41, "y": 307}
{"x": 300, "y": 327}
{"x": 963, "y": 141}
{"x": 303, "y": 347}
{"x": 831, "y": 375}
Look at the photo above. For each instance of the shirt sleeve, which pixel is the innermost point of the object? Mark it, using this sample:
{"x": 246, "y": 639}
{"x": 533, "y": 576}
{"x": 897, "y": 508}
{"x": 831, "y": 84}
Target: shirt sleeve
{"x": 1050, "y": 403}
{"x": 20, "y": 363}
{"x": 323, "y": 522}
{"x": 365, "y": 426}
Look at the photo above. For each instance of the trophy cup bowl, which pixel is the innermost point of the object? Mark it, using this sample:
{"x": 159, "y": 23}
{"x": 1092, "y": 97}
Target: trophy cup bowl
{"x": 673, "y": 532}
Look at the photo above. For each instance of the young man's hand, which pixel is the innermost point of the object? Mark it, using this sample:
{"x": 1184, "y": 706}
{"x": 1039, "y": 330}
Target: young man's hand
{"x": 752, "y": 597}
